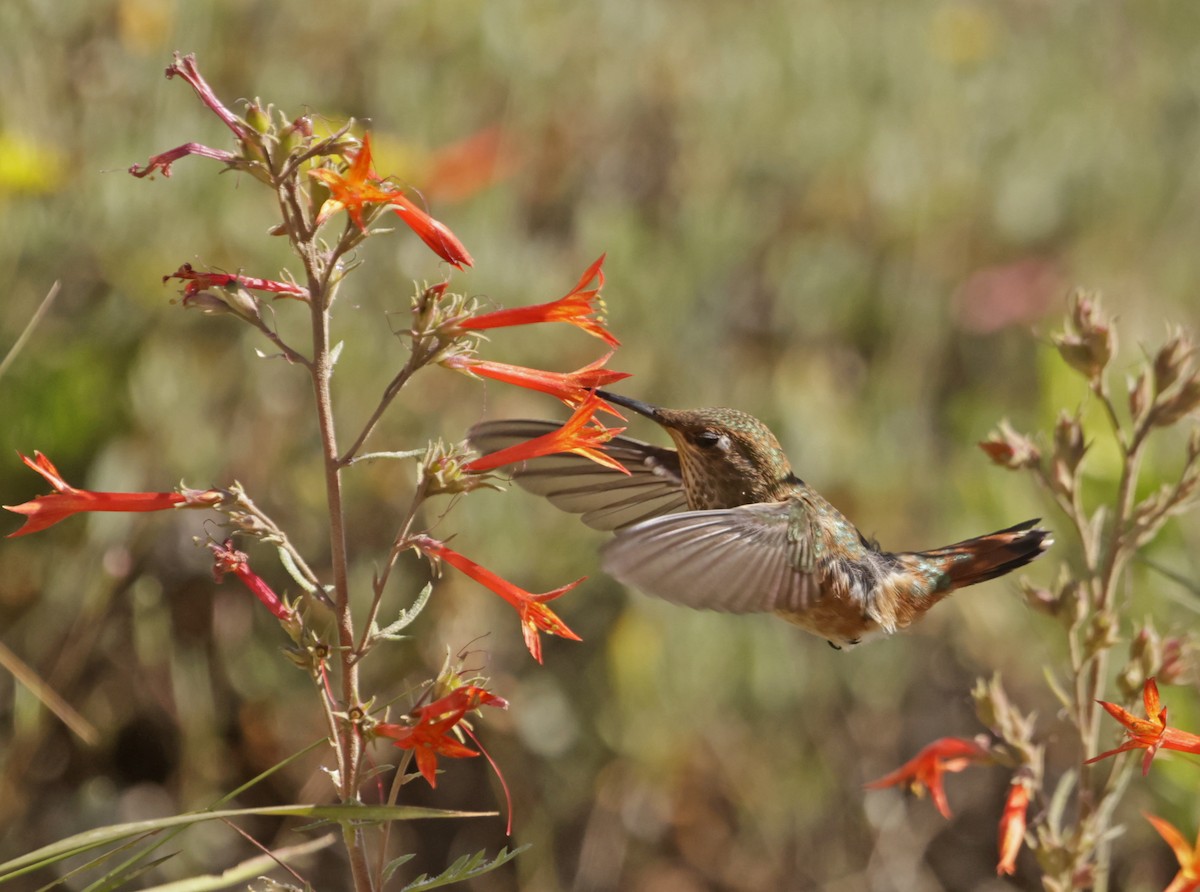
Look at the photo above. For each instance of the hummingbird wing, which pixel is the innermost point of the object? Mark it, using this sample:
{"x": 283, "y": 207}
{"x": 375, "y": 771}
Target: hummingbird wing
{"x": 751, "y": 559}
{"x": 606, "y": 498}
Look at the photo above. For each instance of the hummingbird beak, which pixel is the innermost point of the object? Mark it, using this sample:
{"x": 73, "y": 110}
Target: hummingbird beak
{"x": 638, "y": 406}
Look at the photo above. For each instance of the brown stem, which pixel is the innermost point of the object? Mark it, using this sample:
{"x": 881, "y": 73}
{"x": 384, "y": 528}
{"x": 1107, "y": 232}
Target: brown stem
{"x": 1102, "y": 585}
{"x": 417, "y": 358}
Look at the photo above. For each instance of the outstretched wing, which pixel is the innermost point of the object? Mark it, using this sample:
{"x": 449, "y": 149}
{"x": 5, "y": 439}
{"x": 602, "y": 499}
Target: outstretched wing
{"x": 606, "y": 499}
{"x": 750, "y": 559}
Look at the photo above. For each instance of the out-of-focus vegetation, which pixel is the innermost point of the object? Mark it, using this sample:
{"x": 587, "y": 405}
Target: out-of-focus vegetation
{"x": 845, "y": 218}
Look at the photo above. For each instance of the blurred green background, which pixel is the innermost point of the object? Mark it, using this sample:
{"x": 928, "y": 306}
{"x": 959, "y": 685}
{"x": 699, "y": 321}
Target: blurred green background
{"x": 858, "y": 221}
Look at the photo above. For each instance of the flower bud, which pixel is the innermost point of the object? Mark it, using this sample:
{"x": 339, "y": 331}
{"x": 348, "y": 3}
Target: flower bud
{"x": 295, "y": 136}
{"x": 243, "y": 303}
{"x": 1176, "y": 663}
{"x": 1145, "y": 657}
{"x": 1184, "y": 401}
{"x": 258, "y": 117}
{"x": 1173, "y": 359}
{"x": 208, "y": 302}
{"x": 1072, "y": 606}
{"x": 440, "y": 471}
{"x": 1090, "y": 342}
{"x": 1038, "y": 598}
{"x": 1010, "y": 449}
{"x": 1140, "y": 398}
{"x": 1068, "y": 441}
{"x": 1102, "y": 634}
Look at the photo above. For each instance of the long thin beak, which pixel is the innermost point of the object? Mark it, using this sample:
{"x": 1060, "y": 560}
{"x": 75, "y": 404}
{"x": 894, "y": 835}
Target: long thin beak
{"x": 636, "y": 405}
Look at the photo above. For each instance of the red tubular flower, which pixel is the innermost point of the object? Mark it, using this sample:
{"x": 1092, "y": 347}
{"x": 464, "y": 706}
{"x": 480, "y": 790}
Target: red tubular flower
{"x": 163, "y": 160}
{"x": 576, "y": 307}
{"x": 198, "y": 281}
{"x": 1150, "y": 733}
{"x": 570, "y": 387}
{"x": 1188, "y": 878}
{"x": 1012, "y": 828}
{"x": 431, "y": 735}
{"x": 45, "y": 511}
{"x": 535, "y": 615}
{"x": 576, "y": 435}
{"x": 227, "y": 559}
{"x": 185, "y": 67}
{"x": 360, "y": 187}
{"x": 924, "y": 771}
{"x": 434, "y": 233}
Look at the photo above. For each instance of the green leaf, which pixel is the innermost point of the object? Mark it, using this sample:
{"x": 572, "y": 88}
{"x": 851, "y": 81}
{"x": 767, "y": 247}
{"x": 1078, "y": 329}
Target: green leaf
{"x": 392, "y": 632}
{"x": 394, "y": 865}
{"x": 407, "y": 453}
{"x": 102, "y": 836}
{"x": 250, "y": 869}
{"x": 465, "y": 868}
{"x": 1058, "y": 802}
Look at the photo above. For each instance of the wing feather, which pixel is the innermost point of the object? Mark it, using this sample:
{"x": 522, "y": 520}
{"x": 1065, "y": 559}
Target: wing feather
{"x": 737, "y": 560}
{"x": 606, "y": 499}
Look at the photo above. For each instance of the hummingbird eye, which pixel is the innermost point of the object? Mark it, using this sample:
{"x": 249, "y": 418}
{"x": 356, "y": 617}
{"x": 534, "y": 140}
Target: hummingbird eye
{"x": 709, "y": 439}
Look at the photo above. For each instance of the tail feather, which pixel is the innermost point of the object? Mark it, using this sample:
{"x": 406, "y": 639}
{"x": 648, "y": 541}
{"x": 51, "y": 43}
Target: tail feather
{"x": 986, "y": 557}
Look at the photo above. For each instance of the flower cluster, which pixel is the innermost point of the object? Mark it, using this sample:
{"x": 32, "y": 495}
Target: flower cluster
{"x": 316, "y": 179}
{"x": 953, "y": 754}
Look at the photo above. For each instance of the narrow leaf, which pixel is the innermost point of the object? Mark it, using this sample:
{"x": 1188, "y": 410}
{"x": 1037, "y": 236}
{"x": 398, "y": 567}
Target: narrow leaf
{"x": 395, "y": 864}
{"x": 102, "y": 836}
{"x": 392, "y": 632}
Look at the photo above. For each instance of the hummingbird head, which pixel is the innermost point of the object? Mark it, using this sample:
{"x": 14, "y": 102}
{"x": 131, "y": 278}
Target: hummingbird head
{"x": 727, "y": 457}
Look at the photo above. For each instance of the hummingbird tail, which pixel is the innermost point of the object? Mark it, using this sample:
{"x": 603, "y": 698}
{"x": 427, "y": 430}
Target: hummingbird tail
{"x": 986, "y": 557}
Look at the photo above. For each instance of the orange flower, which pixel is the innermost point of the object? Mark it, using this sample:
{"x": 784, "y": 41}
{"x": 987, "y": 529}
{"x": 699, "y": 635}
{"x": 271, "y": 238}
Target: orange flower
{"x": 576, "y": 307}
{"x": 1188, "y": 878}
{"x": 1012, "y": 827}
{"x": 360, "y": 187}
{"x": 431, "y": 736}
{"x": 924, "y": 771}
{"x": 45, "y": 511}
{"x": 1149, "y": 733}
{"x": 570, "y": 387}
{"x": 227, "y": 559}
{"x": 535, "y": 615}
{"x": 576, "y": 435}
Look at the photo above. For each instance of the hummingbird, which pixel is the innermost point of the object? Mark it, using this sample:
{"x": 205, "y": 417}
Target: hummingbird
{"x": 721, "y": 522}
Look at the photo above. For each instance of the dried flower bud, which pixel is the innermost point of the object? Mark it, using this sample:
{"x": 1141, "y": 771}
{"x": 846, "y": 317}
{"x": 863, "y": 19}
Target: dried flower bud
{"x": 1184, "y": 401}
{"x": 1090, "y": 342}
{"x": 1174, "y": 359}
{"x": 1068, "y": 440}
{"x": 1102, "y": 634}
{"x": 1010, "y": 449}
{"x": 208, "y": 302}
{"x": 991, "y": 702}
{"x": 243, "y": 303}
{"x": 1038, "y": 598}
{"x": 1145, "y": 658}
{"x": 1176, "y": 663}
{"x": 1069, "y": 449}
{"x": 1140, "y": 397}
{"x": 1072, "y": 603}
